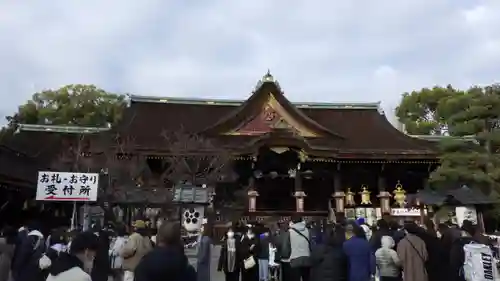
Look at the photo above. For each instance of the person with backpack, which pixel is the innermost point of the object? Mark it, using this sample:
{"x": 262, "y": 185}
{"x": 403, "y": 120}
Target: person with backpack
{"x": 26, "y": 265}
{"x": 136, "y": 247}
{"x": 464, "y": 246}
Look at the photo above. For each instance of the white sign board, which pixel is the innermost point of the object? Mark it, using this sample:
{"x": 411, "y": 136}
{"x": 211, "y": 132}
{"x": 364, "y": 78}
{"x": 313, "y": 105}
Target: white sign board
{"x": 466, "y": 213}
{"x": 63, "y": 186}
{"x": 405, "y": 212}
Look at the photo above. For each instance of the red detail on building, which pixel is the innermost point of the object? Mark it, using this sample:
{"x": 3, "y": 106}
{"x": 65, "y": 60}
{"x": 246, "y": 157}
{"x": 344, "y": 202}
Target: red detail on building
{"x": 260, "y": 124}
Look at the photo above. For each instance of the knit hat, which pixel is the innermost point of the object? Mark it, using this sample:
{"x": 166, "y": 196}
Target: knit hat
{"x": 139, "y": 224}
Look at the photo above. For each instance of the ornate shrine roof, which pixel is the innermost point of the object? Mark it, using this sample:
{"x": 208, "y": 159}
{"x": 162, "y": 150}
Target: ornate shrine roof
{"x": 343, "y": 130}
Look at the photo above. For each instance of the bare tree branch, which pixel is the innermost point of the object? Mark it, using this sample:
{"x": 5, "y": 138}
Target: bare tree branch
{"x": 195, "y": 159}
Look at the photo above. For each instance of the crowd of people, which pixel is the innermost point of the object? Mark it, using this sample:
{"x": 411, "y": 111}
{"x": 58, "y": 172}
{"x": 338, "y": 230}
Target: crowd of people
{"x": 348, "y": 251}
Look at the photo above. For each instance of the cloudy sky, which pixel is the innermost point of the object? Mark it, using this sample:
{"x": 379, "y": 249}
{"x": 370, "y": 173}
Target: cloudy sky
{"x": 331, "y": 51}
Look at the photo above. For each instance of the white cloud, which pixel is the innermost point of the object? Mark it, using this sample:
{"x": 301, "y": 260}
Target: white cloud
{"x": 319, "y": 51}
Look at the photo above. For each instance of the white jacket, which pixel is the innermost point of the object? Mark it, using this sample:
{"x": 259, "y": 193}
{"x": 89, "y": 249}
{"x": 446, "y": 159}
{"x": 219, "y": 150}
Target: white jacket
{"x": 74, "y": 274}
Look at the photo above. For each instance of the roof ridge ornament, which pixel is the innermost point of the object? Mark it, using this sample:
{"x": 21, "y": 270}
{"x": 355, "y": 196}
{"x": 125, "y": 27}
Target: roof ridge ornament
{"x": 267, "y": 78}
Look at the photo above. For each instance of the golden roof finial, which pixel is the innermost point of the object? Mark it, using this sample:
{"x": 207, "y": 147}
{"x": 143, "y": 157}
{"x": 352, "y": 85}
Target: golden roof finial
{"x": 268, "y": 77}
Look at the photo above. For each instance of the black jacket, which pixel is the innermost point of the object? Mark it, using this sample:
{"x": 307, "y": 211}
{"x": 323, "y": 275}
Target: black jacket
{"x": 263, "y": 247}
{"x": 102, "y": 267}
{"x": 328, "y": 263}
{"x": 165, "y": 264}
{"x": 26, "y": 267}
{"x": 457, "y": 257}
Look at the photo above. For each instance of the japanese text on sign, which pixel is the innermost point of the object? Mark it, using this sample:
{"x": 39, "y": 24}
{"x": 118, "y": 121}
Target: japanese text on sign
{"x": 64, "y": 186}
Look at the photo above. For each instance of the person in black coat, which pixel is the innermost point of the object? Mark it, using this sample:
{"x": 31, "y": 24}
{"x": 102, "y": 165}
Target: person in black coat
{"x": 328, "y": 260}
{"x": 248, "y": 248}
{"x": 101, "y": 268}
{"x": 436, "y": 265}
{"x": 167, "y": 261}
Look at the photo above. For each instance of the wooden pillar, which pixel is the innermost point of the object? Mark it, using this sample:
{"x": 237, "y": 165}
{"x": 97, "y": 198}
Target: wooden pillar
{"x": 383, "y": 195}
{"x": 339, "y": 196}
{"x": 299, "y": 193}
{"x": 252, "y": 196}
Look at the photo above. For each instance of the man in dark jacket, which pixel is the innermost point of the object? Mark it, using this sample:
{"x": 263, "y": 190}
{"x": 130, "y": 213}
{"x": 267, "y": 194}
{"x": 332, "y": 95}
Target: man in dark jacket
{"x": 25, "y": 267}
{"x": 167, "y": 261}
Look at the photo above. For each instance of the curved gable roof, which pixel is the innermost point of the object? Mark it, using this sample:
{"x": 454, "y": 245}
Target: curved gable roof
{"x": 266, "y": 92}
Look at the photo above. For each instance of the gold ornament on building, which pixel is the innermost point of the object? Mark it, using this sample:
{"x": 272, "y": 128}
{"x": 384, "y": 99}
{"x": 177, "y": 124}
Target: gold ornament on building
{"x": 365, "y": 195}
{"x": 349, "y": 198}
{"x": 400, "y": 195}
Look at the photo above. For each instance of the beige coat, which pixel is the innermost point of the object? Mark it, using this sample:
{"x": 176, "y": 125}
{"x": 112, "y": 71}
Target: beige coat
{"x": 413, "y": 255}
{"x": 134, "y": 249}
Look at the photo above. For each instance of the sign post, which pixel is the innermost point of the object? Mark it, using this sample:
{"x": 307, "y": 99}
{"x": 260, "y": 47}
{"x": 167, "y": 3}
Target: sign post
{"x": 67, "y": 186}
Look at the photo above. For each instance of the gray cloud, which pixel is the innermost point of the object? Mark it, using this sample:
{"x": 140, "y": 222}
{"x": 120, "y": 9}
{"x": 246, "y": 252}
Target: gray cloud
{"x": 318, "y": 50}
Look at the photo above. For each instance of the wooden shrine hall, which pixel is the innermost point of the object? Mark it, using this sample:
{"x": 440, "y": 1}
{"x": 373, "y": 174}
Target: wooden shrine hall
{"x": 313, "y": 158}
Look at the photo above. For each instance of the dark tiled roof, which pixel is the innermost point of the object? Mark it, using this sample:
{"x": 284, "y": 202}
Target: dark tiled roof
{"x": 363, "y": 129}
{"x": 23, "y": 154}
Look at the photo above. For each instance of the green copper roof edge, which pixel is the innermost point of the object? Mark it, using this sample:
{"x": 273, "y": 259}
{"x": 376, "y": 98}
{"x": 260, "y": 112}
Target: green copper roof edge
{"x": 438, "y": 138}
{"x": 61, "y": 129}
{"x": 228, "y": 102}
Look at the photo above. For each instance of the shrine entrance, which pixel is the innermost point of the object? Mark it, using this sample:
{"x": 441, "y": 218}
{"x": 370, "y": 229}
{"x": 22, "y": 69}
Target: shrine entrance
{"x": 274, "y": 177}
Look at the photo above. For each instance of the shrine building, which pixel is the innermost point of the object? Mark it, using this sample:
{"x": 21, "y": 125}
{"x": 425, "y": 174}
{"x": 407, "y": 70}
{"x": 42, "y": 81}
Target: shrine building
{"x": 317, "y": 159}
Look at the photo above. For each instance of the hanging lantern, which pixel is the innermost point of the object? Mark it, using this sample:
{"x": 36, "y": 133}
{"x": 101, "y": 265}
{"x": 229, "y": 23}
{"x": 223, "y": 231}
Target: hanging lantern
{"x": 400, "y": 195}
{"x": 349, "y": 198}
{"x": 365, "y": 195}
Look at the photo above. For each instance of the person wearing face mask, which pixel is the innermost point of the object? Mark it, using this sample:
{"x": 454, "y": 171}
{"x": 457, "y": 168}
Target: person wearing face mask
{"x": 75, "y": 265}
{"x": 229, "y": 261}
{"x": 248, "y": 246}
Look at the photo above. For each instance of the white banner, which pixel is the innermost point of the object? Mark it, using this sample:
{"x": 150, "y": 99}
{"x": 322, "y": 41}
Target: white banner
{"x": 405, "y": 212}
{"x": 63, "y": 186}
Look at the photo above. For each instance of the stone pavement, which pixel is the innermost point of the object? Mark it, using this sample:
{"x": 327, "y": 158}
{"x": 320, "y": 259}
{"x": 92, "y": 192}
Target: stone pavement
{"x": 216, "y": 276}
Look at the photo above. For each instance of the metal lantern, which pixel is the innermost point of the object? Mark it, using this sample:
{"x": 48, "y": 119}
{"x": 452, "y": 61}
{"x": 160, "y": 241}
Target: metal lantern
{"x": 365, "y": 195}
{"x": 400, "y": 195}
{"x": 349, "y": 198}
